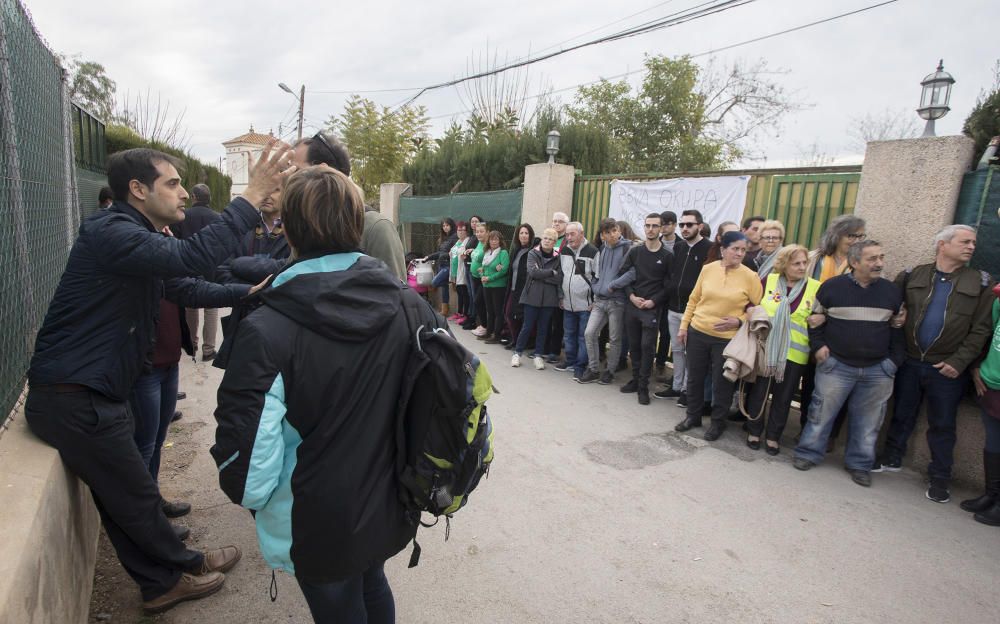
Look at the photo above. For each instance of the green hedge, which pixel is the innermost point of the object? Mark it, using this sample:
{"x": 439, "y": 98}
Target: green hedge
{"x": 195, "y": 172}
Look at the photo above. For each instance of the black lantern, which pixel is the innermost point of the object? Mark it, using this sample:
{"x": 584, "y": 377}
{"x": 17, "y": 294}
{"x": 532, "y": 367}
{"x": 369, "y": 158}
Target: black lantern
{"x": 935, "y": 97}
{"x": 552, "y": 146}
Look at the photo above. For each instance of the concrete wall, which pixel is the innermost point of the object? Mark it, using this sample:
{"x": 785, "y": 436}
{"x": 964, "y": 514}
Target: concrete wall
{"x": 548, "y": 189}
{"x": 909, "y": 190}
{"x": 50, "y": 528}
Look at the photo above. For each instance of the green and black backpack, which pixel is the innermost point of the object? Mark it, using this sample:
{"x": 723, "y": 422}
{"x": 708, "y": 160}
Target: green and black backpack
{"x": 444, "y": 436}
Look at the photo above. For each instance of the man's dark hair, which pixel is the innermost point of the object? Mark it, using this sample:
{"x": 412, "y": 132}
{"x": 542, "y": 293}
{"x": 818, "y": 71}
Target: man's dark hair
{"x": 749, "y": 220}
{"x": 139, "y": 164}
{"x": 105, "y": 195}
{"x": 655, "y": 215}
{"x": 325, "y": 149}
{"x": 694, "y": 213}
{"x": 201, "y": 193}
{"x": 668, "y": 216}
{"x": 607, "y": 225}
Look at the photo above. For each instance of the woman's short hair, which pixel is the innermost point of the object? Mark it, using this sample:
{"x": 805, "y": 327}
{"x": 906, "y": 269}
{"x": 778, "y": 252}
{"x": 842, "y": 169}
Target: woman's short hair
{"x": 730, "y": 238}
{"x": 773, "y": 224}
{"x": 322, "y": 211}
{"x": 498, "y": 236}
{"x": 550, "y": 232}
{"x": 786, "y": 255}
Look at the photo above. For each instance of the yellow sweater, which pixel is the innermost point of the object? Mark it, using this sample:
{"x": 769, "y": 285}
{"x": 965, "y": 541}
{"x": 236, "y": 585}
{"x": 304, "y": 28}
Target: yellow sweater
{"x": 720, "y": 293}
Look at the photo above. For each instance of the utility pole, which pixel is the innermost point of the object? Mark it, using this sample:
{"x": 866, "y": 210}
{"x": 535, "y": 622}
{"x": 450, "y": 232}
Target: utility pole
{"x": 302, "y": 105}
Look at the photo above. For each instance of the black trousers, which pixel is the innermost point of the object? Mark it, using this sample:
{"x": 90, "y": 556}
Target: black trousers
{"x": 479, "y": 303}
{"x": 642, "y": 328}
{"x": 93, "y": 435}
{"x": 463, "y": 299}
{"x": 554, "y": 341}
{"x": 781, "y": 402}
{"x": 494, "y": 310}
{"x": 664, "y": 344}
{"x": 704, "y": 359}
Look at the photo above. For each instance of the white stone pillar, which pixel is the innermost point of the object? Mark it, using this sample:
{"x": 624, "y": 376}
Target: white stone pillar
{"x": 909, "y": 190}
{"x": 548, "y": 189}
{"x": 388, "y": 201}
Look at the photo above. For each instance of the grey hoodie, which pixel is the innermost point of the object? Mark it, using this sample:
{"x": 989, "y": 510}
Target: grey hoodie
{"x": 609, "y": 264}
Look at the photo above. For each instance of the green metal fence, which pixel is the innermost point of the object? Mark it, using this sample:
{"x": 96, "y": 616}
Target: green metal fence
{"x": 805, "y": 200}
{"x": 978, "y": 204}
{"x": 38, "y": 200}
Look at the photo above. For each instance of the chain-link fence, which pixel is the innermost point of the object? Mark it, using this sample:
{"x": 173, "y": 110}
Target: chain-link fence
{"x": 421, "y": 216}
{"x": 38, "y": 198}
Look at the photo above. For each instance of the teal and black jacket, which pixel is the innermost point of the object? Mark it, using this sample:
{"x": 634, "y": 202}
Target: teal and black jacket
{"x": 307, "y": 417}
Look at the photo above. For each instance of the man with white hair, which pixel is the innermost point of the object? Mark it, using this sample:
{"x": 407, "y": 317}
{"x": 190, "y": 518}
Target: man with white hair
{"x": 948, "y": 321}
{"x": 577, "y": 262}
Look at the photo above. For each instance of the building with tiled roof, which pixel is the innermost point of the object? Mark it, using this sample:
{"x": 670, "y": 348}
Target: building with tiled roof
{"x": 238, "y": 153}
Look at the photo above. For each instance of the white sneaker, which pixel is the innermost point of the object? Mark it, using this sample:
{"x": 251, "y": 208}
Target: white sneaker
{"x": 539, "y": 363}
{"x": 515, "y": 360}
{"x": 479, "y": 331}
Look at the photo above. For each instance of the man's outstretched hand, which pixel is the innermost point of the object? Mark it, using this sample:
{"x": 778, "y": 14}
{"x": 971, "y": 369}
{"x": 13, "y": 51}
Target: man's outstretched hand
{"x": 269, "y": 172}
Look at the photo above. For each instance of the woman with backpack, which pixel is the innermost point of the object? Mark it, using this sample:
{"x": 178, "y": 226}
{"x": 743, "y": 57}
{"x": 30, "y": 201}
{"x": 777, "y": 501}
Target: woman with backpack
{"x": 494, "y": 271}
{"x": 446, "y": 240}
{"x": 524, "y": 240}
{"x": 540, "y": 298}
{"x": 306, "y": 433}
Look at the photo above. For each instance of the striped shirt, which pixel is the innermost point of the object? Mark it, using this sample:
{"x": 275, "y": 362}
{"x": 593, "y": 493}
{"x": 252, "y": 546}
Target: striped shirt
{"x": 857, "y": 329}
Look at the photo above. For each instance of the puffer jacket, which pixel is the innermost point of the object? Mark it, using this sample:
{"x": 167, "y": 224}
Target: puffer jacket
{"x": 543, "y": 288}
{"x": 306, "y": 429}
{"x": 609, "y": 264}
{"x": 578, "y": 277}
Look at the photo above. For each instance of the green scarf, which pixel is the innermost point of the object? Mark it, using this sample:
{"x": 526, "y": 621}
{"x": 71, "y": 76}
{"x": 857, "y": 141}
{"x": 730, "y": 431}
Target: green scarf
{"x": 780, "y": 337}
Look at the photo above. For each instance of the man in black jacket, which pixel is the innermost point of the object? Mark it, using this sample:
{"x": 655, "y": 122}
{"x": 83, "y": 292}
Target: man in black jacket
{"x": 689, "y": 257}
{"x": 95, "y": 341}
{"x": 197, "y": 217}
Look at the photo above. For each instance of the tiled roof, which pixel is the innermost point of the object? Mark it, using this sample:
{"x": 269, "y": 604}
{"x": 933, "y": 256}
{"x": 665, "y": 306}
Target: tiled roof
{"x": 253, "y": 138}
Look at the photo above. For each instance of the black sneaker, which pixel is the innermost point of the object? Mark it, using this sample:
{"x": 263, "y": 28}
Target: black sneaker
{"x": 562, "y": 367}
{"x": 802, "y": 464}
{"x": 607, "y": 378}
{"x": 631, "y": 386}
{"x": 861, "y": 477}
{"x": 682, "y": 400}
{"x": 938, "y": 491}
{"x": 667, "y": 393}
{"x": 588, "y": 376}
{"x": 553, "y": 359}
{"x": 888, "y": 464}
{"x": 643, "y": 396}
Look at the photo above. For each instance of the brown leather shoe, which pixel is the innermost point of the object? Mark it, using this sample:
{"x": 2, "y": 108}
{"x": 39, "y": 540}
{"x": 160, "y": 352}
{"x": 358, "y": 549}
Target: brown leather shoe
{"x": 218, "y": 560}
{"x": 189, "y": 587}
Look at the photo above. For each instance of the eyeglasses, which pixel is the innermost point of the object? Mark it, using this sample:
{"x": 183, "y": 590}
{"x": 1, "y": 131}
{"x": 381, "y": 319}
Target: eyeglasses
{"x": 770, "y": 238}
{"x": 687, "y": 225}
{"x": 856, "y": 236}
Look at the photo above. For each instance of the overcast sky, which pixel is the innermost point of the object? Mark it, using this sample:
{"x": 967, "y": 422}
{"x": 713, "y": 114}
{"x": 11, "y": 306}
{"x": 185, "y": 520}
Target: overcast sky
{"x": 222, "y": 61}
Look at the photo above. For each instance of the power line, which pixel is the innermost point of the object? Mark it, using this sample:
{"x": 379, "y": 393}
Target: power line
{"x": 699, "y": 54}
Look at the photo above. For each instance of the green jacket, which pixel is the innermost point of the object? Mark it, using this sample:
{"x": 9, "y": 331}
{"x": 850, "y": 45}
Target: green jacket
{"x": 989, "y": 368}
{"x": 497, "y": 278}
{"x": 477, "y": 260}
{"x": 967, "y": 324}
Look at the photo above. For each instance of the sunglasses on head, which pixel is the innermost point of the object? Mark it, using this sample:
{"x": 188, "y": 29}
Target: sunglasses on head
{"x": 322, "y": 139}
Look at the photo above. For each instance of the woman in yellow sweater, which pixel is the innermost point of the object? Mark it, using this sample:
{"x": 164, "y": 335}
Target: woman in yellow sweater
{"x": 716, "y": 309}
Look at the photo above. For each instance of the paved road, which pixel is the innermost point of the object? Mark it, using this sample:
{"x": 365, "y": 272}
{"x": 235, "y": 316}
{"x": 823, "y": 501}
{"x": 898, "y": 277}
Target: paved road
{"x": 596, "y": 511}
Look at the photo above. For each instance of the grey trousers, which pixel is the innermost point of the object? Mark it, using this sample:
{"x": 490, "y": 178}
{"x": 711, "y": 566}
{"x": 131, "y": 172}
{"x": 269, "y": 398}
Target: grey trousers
{"x": 209, "y": 330}
{"x": 679, "y": 351}
{"x": 612, "y": 313}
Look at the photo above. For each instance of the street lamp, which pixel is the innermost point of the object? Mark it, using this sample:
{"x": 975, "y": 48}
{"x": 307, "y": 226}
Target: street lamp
{"x": 934, "y": 97}
{"x": 552, "y": 145}
{"x": 301, "y": 97}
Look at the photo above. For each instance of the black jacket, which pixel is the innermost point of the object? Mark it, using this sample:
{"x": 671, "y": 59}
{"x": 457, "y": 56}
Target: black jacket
{"x": 684, "y": 272}
{"x": 100, "y": 326}
{"x": 307, "y": 416}
{"x": 196, "y": 217}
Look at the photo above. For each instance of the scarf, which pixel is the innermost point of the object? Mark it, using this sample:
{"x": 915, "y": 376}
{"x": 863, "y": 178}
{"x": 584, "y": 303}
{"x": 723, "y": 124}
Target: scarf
{"x": 766, "y": 263}
{"x": 490, "y": 255}
{"x": 780, "y": 337}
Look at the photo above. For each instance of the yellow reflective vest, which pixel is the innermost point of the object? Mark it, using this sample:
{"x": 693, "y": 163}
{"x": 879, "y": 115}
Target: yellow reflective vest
{"x": 798, "y": 348}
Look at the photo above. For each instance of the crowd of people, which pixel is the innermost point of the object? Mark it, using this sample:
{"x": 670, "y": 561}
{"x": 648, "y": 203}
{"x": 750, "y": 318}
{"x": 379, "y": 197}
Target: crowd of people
{"x": 844, "y": 339}
{"x": 299, "y": 249}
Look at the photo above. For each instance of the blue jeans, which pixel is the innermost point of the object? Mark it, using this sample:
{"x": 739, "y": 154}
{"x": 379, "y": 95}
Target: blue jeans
{"x": 537, "y": 319}
{"x": 916, "y": 381}
{"x": 152, "y": 403}
{"x": 575, "y": 340}
{"x": 441, "y": 281}
{"x": 365, "y": 598}
{"x": 866, "y": 392}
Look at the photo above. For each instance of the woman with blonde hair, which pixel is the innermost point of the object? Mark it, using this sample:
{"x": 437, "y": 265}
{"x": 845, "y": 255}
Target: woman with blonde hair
{"x": 788, "y": 298}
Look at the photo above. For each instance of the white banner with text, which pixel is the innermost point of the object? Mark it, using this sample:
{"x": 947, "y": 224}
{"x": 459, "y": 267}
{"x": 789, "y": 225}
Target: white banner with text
{"x": 718, "y": 199}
